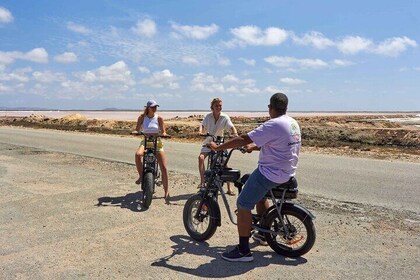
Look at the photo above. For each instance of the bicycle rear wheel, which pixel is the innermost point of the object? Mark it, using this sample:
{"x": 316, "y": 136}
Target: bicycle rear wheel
{"x": 301, "y": 232}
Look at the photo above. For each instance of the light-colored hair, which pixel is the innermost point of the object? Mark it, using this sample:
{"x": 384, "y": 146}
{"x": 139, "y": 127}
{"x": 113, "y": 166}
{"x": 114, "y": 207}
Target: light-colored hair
{"x": 145, "y": 111}
{"x": 214, "y": 101}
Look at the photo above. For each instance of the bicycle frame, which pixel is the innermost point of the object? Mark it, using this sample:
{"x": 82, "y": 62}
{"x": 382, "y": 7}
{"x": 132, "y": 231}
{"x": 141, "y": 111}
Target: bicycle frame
{"x": 214, "y": 185}
{"x": 150, "y": 163}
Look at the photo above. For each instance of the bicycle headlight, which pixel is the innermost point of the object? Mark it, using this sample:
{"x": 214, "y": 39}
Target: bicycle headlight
{"x": 149, "y": 158}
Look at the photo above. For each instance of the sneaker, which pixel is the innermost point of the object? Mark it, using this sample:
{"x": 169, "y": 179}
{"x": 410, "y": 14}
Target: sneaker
{"x": 257, "y": 236}
{"x": 236, "y": 256}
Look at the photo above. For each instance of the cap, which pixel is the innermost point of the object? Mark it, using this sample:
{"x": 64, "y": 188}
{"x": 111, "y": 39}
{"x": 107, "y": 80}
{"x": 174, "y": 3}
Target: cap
{"x": 151, "y": 103}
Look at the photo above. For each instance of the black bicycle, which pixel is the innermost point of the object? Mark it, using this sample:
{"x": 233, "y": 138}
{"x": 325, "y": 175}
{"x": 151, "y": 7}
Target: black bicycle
{"x": 287, "y": 226}
{"x": 151, "y": 172}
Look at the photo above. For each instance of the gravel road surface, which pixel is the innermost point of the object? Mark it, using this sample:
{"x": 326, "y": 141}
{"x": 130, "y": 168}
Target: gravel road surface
{"x": 66, "y": 216}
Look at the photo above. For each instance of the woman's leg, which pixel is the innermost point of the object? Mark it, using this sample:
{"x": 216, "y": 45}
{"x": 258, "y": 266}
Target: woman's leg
{"x": 139, "y": 164}
{"x": 162, "y": 163}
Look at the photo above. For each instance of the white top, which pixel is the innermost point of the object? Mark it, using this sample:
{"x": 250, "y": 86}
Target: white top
{"x": 280, "y": 141}
{"x": 150, "y": 125}
{"x": 214, "y": 127}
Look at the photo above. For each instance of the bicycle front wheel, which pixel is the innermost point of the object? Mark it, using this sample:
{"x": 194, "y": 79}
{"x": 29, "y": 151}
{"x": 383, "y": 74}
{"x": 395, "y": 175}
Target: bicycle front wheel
{"x": 147, "y": 187}
{"x": 204, "y": 226}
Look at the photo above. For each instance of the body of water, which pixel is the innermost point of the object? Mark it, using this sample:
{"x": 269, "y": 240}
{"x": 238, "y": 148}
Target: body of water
{"x": 132, "y": 115}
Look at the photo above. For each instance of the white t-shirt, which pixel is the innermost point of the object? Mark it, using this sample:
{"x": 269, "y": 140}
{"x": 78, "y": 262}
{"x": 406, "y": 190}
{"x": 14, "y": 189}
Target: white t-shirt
{"x": 280, "y": 141}
{"x": 214, "y": 127}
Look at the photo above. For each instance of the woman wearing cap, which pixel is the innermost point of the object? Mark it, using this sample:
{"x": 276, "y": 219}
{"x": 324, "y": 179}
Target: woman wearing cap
{"x": 151, "y": 123}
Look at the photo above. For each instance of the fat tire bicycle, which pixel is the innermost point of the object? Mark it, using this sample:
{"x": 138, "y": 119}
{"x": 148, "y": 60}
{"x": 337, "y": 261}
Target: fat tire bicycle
{"x": 288, "y": 227}
{"x": 151, "y": 172}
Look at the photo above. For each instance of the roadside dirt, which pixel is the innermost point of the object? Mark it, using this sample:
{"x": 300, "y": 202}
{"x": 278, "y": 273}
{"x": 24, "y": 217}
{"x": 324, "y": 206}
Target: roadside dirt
{"x": 356, "y": 136}
{"x": 71, "y": 217}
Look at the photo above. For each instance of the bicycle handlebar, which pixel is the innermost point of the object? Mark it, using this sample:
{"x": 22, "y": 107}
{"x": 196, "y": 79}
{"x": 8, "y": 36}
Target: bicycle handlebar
{"x": 141, "y": 133}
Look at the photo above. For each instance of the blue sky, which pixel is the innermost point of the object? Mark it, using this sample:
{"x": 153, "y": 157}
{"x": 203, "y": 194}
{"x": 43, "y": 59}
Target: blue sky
{"x": 325, "y": 55}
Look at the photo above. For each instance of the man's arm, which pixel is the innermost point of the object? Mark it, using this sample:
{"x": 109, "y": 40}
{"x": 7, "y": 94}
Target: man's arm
{"x": 236, "y": 142}
{"x": 251, "y": 147}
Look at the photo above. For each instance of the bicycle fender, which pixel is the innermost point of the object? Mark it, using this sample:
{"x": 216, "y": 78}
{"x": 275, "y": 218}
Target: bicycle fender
{"x": 215, "y": 210}
{"x": 289, "y": 205}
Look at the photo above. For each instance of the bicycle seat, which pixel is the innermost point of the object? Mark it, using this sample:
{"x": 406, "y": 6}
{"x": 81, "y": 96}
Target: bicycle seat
{"x": 230, "y": 175}
{"x": 290, "y": 186}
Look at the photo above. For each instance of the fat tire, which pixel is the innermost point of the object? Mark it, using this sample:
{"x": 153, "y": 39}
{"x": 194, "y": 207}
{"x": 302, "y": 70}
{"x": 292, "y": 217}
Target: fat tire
{"x": 147, "y": 187}
{"x": 284, "y": 250}
{"x": 187, "y": 217}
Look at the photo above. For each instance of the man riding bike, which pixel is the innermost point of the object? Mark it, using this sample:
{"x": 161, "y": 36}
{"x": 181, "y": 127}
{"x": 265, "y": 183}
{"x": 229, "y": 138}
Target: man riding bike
{"x": 279, "y": 141}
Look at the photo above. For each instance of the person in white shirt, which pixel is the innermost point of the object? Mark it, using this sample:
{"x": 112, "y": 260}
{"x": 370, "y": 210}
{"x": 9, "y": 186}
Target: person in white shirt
{"x": 215, "y": 123}
{"x": 151, "y": 123}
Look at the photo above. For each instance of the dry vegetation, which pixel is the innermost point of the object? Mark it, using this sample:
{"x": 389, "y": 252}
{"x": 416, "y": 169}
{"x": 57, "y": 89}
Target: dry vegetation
{"x": 367, "y": 136}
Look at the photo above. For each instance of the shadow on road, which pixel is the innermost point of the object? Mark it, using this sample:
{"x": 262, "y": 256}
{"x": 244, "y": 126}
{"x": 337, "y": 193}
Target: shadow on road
{"x": 130, "y": 201}
{"x": 175, "y": 200}
{"x": 217, "y": 267}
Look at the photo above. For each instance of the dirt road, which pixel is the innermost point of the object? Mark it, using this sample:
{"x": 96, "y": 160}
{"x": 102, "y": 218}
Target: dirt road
{"x": 64, "y": 216}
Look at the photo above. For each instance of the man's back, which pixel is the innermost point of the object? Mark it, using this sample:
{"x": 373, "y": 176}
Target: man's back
{"x": 280, "y": 140}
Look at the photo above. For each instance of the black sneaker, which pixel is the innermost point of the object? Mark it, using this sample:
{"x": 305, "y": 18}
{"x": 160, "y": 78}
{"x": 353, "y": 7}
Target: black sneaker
{"x": 257, "y": 236}
{"x": 236, "y": 256}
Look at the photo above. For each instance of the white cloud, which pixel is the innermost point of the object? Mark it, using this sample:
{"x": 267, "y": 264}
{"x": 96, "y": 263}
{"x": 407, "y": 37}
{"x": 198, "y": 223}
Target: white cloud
{"x": 39, "y": 55}
{"x": 353, "y": 44}
{"x": 287, "y": 61}
{"x": 6, "y": 57}
{"x": 78, "y": 28}
{"x": 4, "y": 88}
{"x": 115, "y": 73}
{"x": 230, "y": 79}
{"x": 67, "y": 57}
{"x": 5, "y": 15}
{"x": 315, "y": 39}
{"x": 48, "y": 76}
{"x": 206, "y": 83}
{"x": 228, "y": 84}
{"x": 19, "y": 75}
{"x": 292, "y": 81}
{"x": 190, "y": 60}
{"x": 144, "y": 70}
{"x": 146, "y": 28}
{"x": 235, "y": 80}
{"x": 272, "y": 89}
{"x": 250, "y": 62}
{"x": 394, "y": 46}
{"x": 162, "y": 79}
{"x": 253, "y": 35}
{"x": 340, "y": 62}
{"x": 195, "y": 31}
{"x": 223, "y": 61}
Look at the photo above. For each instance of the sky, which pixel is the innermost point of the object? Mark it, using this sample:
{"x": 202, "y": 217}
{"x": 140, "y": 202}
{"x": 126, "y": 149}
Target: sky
{"x": 324, "y": 55}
